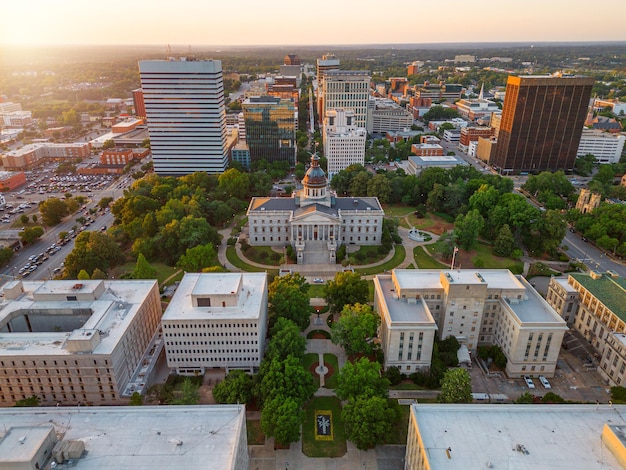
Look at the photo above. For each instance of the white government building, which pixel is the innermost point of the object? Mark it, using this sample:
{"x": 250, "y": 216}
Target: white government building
{"x": 477, "y": 306}
{"x": 315, "y": 221}
{"x": 344, "y": 142}
{"x": 127, "y": 437}
{"x": 216, "y": 320}
{"x": 76, "y": 342}
{"x": 605, "y": 146}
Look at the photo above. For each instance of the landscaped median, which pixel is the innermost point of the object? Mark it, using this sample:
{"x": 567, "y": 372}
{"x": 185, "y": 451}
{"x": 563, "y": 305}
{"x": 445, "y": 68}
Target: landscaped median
{"x": 323, "y": 434}
{"x": 235, "y": 260}
{"x": 396, "y": 259}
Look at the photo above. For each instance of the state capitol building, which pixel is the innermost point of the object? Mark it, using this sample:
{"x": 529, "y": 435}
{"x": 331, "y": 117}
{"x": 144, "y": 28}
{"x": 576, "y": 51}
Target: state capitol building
{"x": 314, "y": 221}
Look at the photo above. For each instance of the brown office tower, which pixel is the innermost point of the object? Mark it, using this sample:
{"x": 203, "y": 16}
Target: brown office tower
{"x": 542, "y": 121}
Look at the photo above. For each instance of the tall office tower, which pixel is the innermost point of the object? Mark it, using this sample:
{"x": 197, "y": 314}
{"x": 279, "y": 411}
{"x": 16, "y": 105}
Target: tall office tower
{"x": 138, "y": 103}
{"x": 270, "y": 129}
{"x": 348, "y": 89}
{"x": 327, "y": 63}
{"x": 292, "y": 59}
{"x": 186, "y": 116}
{"x": 542, "y": 121}
{"x": 344, "y": 142}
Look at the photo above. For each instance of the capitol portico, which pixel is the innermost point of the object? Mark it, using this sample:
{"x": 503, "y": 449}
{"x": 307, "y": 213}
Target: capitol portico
{"x": 314, "y": 221}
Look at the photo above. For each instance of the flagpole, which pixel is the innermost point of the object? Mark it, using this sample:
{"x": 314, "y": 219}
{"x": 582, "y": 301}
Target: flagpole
{"x": 456, "y": 250}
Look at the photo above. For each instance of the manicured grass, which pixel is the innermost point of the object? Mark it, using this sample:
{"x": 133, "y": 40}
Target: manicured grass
{"x": 331, "y": 382}
{"x": 317, "y": 448}
{"x": 255, "y": 433}
{"x": 263, "y": 255}
{"x": 311, "y": 333}
{"x": 406, "y": 386}
{"x": 316, "y": 290}
{"x": 307, "y": 362}
{"x": 367, "y": 255}
{"x": 397, "y": 258}
{"x": 370, "y": 289}
{"x": 425, "y": 261}
{"x": 231, "y": 255}
{"x": 163, "y": 271}
{"x": 398, "y": 211}
{"x": 484, "y": 252}
{"x": 399, "y": 431}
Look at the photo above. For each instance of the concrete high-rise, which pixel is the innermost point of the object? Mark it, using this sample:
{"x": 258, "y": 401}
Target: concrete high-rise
{"x": 347, "y": 89}
{"x": 270, "y": 126}
{"x": 344, "y": 142}
{"x": 542, "y": 121}
{"x": 327, "y": 63}
{"x": 184, "y": 102}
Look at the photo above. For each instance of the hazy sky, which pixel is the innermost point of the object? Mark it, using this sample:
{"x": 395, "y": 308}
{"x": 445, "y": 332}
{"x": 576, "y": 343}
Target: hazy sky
{"x": 296, "y": 22}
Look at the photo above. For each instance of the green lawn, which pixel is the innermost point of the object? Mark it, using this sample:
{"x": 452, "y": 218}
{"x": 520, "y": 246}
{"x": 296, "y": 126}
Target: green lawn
{"x": 424, "y": 260}
{"x": 331, "y": 382}
{"x": 263, "y": 255}
{"x": 406, "y": 386}
{"x": 397, "y": 258}
{"x": 307, "y": 362}
{"x": 318, "y": 448}
{"x": 484, "y": 253}
{"x": 399, "y": 431}
{"x": 367, "y": 255}
{"x": 316, "y": 290}
{"x": 397, "y": 210}
{"x": 231, "y": 255}
{"x": 255, "y": 433}
{"x": 163, "y": 271}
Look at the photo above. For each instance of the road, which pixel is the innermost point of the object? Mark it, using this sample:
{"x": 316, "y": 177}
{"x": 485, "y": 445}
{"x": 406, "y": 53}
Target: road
{"x": 46, "y": 269}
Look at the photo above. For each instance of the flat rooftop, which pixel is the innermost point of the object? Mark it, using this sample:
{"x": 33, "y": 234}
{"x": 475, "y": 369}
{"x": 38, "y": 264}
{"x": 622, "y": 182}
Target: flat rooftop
{"x": 533, "y": 308}
{"x": 111, "y": 314}
{"x": 251, "y": 296}
{"x": 608, "y": 290}
{"x": 431, "y": 278}
{"x": 402, "y": 311}
{"x": 488, "y": 436}
{"x": 143, "y": 437}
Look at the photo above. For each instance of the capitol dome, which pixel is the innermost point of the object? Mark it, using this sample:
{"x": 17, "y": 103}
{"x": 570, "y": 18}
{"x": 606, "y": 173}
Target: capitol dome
{"x": 315, "y": 176}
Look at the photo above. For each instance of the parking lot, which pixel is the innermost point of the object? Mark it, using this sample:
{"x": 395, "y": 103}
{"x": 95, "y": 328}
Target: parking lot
{"x": 574, "y": 379}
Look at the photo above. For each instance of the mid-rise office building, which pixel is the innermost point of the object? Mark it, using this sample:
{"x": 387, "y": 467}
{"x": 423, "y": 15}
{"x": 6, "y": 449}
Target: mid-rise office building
{"x": 347, "y": 89}
{"x": 595, "y": 308}
{"x": 472, "y": 134}
{"x": 216, "y": 320}
{"x": 72, "y": 342}
{"x": 414, "y": 67}
{"x": 606, "y": 147}
{"x": 386, "y": 116}
{"x": 485, "y": 306}
{"x": 184, "y": 102}
{"x": 32, "y": 154}
{"x": 542, "y": 121}
{"x": 344, "y": 142}
{"x": 270, "y": 129}
{"x": 439, "y": 92}
{"x": 137, "y": 437}
{"x": 139, "y": 104}
{"x": 461, "y": 437}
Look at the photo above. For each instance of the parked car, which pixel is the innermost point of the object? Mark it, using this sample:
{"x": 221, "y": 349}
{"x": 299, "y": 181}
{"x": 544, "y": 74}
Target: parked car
{"x": 317, "y": 280}
{"x": 529, "y": 382}
{"x": 544, "y": 382}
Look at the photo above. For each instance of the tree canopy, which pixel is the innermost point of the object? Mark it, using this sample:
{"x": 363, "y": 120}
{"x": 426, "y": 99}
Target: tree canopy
{"x": 287, "y": 297}
{"x": 356, "y": 329}
{"x": 237, "y": 387}
{"x": 369, "y": 421}
{"x": 456, "y": 386}
{"x": 285, "y": 341}
{"x": 92, "y": 250}
{"x": 346, "y": 288}
{"x": 361, "y": 378}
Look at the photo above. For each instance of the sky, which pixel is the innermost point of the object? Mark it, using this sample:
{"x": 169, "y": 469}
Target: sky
{"x": 300, "y": 22}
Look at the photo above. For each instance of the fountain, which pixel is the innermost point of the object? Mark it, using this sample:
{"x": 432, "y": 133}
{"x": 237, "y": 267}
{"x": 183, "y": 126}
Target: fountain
{"x": 416, "y": 235}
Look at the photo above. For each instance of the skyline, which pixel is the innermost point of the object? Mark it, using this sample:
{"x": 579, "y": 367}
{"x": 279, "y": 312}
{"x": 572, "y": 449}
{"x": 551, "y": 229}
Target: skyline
{"x": 278, "y": 22}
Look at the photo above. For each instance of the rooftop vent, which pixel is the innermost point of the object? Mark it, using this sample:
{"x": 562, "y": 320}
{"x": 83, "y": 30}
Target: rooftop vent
{"x": 77, "y": 286}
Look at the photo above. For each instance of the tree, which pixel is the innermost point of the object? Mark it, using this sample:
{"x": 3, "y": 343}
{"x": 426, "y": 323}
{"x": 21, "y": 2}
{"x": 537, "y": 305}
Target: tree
{"x": 188, "y": 393}
{"x": 285, "y": 378}
{"x": 355, "y": 329}
{"x": 104, "y": 202}
{"x": 31, "y": 234}
{"x": 368, "y": 421}
{"x": 24, "y": 219}
{"x": 31, "y": 401}
{"x": 287, "y": 296}
{"x": 98, "y": 274}
{"x": 505, "y": 242}
{"x": 52, "y": 211}
{"x": 346, "y": 289}
{"x": 380, "y": 187}
{"x": 467, "y": 227}
{"x": 361, "y": 378}
{"x": 235, "y": 388}
{"x": 5, "y": 255}
{"x": 234, "y": 183}
{"x": 136, "y": 399}
{"x": 143, "y": 269}
{"x": 197, "y": 258}
{"x": 456, "y": 387}
{"x": 282, "y": 418}
{"x": 83, "y": 275}
{"x": 286, "y": 340}
{"x": 92, "y": 250}
{"x": 108, "y": 144}
{"x": 439, "y": 113}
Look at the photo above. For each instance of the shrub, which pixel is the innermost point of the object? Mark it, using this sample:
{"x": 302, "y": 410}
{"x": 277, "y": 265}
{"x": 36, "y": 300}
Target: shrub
{"x": 552, "y": 397}
{"x": 525, "y": 398}
{"x": 478, "y": 262}
{"x": 618, "y": 393}
{"x": 231, "y": 241}
{"x": 275, "y": 256}
{"x": 394, "y": 375}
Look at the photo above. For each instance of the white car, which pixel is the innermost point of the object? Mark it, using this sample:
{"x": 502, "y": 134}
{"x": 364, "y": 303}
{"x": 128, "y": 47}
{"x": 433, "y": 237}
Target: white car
{"x": 529, "y": 382}
{"x": 544, "y": 382}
